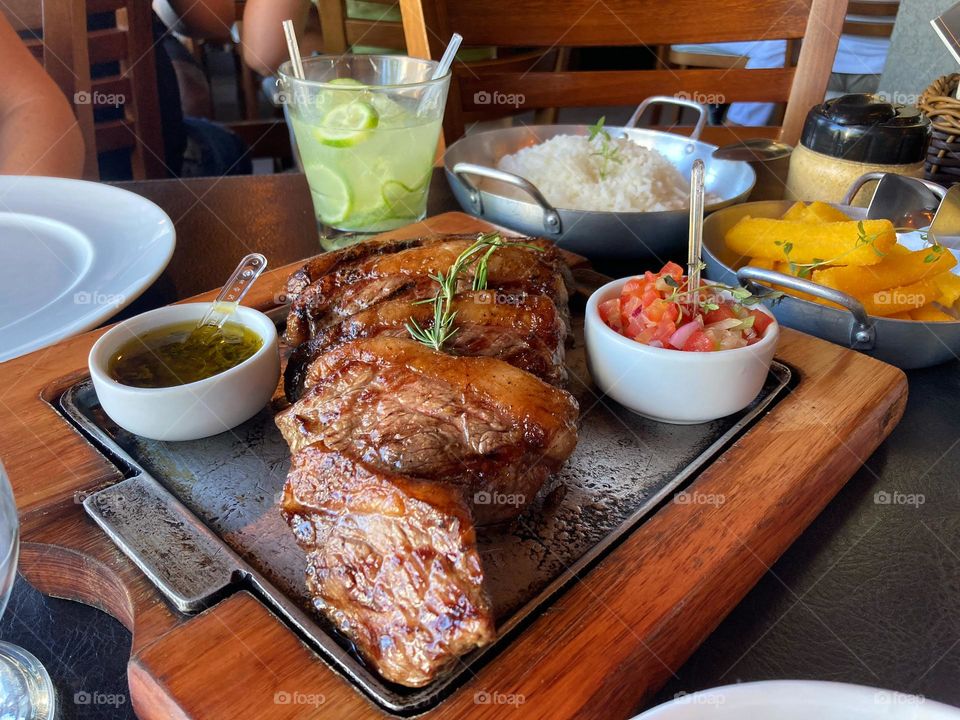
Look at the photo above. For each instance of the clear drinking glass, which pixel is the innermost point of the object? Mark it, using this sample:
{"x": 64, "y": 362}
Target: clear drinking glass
{"x": 26, "y": 692}
{"x": 366, "y": 128}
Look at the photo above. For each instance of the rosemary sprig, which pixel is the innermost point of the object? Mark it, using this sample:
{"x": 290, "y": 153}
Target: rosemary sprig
{"x": 442, "y": 327}
{"x": 608, "y": 152}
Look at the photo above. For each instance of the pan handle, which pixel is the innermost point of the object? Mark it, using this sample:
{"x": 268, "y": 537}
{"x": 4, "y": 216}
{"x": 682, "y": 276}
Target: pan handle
{"x": 551, "y": 218}
{"x": 668, "y": 100}
{"x": 857, "y": 184}
{"x": 863, "y": 335}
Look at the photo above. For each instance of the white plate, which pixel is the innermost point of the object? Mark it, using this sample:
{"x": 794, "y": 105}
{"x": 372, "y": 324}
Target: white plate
{"x": 800, "y": 700}
{"x": 72, "y": 254}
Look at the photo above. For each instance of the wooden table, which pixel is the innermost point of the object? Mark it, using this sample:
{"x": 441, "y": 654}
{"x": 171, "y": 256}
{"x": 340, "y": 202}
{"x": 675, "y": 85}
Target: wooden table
{"x": 834, "y": 559}
{"x": 218, "y": 220}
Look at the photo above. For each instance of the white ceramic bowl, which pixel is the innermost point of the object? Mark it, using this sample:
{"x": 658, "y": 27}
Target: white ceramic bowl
{"x": 197, "y": 409}
{"x": 800, "y": 700}
{"x": 671, "y": 385}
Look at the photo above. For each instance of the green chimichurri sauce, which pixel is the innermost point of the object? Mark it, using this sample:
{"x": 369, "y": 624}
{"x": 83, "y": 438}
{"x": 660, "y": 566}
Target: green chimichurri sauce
{"x": 182, "y": 353}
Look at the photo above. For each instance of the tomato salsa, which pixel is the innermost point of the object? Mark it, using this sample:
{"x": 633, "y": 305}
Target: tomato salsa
{"x": 657, "y": 310}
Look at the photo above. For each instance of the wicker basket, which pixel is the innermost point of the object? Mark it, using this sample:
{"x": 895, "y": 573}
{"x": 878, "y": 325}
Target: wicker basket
{"x": 943, "y": 156}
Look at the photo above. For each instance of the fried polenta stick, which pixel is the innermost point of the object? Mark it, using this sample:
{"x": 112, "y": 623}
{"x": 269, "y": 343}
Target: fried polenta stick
{"x": 894, "y": 270}
{"x": 931, "y": 313}
{"x": 949, "y": 286}
{"x": 822, "y": 212}
{"x": 839, "y": 243}
{"x": 900, "y": 299}
{"x": 764, "y": 263}
{"x": 797, "y": 211}
{"x": 815, "y": 212}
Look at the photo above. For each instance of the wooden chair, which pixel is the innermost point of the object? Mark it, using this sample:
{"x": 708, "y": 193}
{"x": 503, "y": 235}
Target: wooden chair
{"x": 56, "y": 32}
{"x": 428, "y": 24}
{"x": 871, "y": 18}
{"x": 340, "y": 33}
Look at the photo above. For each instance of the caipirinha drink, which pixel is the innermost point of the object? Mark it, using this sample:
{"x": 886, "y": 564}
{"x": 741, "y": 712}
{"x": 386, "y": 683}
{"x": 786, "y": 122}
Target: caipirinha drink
{"x": 367, "y": 148}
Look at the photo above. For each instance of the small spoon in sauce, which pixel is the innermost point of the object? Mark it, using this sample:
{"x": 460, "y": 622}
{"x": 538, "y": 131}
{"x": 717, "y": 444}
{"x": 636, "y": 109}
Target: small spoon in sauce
{"x": 234, "y": 290}
{"x": 186, "y": 352}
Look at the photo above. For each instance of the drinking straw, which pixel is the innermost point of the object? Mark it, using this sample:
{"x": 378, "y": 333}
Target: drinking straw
{"x": 295, "y": 62}
{"x": 443, "y": 67}
{"x": 447, "y": 60}
{"x": 696, "y": 229}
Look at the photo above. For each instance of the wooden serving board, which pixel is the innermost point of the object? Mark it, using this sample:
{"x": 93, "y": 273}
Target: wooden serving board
{"x": 604, "y": 646}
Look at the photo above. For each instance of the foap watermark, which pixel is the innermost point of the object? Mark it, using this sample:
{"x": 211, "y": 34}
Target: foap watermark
{"x": 883, "y": 497}
{"x": 702, "y": 97}
{"x": 491, "y": 297}
{"x": 900, "y": 298}
{"x": 899, "y": 98}
{"x": 696, "y": 497}
{"x": 284, "y": 697}
{"x": 708, "y": 698}
{"x": 891, "y": 697}
{"x": 497, "y": 498}
{"x": 295, "y": 96}
{"x": 483, "y": 97}
{"x": 97, "y": 298}
{"x": 101, "y": 99}
{"x": 486, "y": 697}
{"x": 85, "y": 697}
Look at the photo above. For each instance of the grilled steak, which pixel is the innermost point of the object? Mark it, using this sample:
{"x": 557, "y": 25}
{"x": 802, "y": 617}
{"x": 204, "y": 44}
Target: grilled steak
{"x": 524, "y": 330}
{"x": 359, "y": 279}
{"x": 479, "y": 424}
{"x": 392, "y": 562}
{"x": 398, "y": 450}
{"x": 328, "y": 262}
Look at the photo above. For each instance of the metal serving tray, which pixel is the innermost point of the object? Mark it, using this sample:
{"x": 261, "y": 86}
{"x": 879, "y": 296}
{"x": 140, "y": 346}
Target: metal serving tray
{"x": 200, "y": 518}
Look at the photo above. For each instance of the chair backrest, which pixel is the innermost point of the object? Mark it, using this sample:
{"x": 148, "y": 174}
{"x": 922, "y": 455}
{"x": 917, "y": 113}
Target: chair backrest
{"x": 428, "y": 24}
{"x": 871, "y": 18}
{"x": 119, "y": 109}
{"x": 341, "y": 32}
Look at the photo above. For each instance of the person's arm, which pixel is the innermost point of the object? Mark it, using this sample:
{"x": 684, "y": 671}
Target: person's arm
{"x": 208, "y": 19}
{"x": 262, "y": 39}
{"x": 39, "y": 134}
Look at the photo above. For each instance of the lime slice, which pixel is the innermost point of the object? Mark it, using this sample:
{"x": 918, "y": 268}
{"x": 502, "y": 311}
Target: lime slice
{"x": 347, "y": 125}
{"x": 402, "y": 200}
{"x": 327, "y": 99}
{"x": 345, "y": 81}
{"x": 331, "y": 194}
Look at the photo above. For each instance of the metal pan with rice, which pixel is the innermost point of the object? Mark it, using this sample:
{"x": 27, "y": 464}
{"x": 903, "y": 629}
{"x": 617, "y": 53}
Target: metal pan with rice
{"x": 616, "y": 197}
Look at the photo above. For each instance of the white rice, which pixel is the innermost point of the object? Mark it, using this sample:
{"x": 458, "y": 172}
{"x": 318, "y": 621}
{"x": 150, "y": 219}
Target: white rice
{"x": 567, "y": 170}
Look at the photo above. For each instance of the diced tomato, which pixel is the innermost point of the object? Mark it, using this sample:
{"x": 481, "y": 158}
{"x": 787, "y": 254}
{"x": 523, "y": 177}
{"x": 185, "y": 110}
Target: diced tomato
{"x": 651, "y": 307}
{"x": 724, "y": 312}
{"x": 674, "y": 271}
{"x": 634, "y": 286}
{"x": 699, "y": 342}
{"x": 630, "y": 306}
{"x": 610, "y": 313}
{"x": 761, "y": 321}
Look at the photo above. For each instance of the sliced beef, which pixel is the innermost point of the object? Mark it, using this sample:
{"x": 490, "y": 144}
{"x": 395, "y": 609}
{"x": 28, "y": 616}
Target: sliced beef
{"x": 391, "y": 561}
{"x": 524, "y": 330}
{"x": 478, "y": 424}
{"x": 343, "y": 287}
